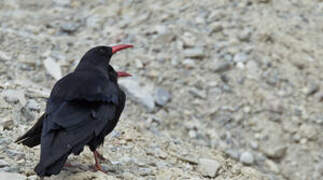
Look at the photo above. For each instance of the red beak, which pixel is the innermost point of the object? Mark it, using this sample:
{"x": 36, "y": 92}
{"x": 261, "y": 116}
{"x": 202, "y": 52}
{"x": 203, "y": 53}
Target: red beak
{"x": 123, "y": 74}
{"x": 120, "y": 47}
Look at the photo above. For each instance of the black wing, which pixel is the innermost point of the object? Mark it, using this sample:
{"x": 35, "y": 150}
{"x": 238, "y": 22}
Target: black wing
{"x": 32, "y": 137}
{"x": 80, "y": 107}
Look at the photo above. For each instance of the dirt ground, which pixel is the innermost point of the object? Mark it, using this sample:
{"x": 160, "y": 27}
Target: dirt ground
{"x": 221, "y": 89}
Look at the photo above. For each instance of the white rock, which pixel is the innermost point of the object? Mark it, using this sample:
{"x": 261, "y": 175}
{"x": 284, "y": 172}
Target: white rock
{"x": 308, "y": 131}
{"x": 12, "y": 95}
{"x": 11, "y": 176}
{"x": 162, "y": 96}
{"x": 275, "y": 152}
{"x": 240, "y": 57}
{"x": 53, "y": 68}
{"x": 247, "y": 158}
{"x": 33, "y": 105}
{"x": 194, "y": 53}
{"x": 208, "y": 167}
{"x": 4, "y": 56}
{"x": 138, "y": 93}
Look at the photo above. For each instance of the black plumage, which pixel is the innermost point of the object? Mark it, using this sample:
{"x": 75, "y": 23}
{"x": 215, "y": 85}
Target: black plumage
{"x": 83, "y": 107}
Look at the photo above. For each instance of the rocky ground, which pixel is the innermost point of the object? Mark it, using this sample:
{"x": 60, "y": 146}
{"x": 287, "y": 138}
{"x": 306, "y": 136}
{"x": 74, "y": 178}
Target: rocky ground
{"x": 221, "y": 89}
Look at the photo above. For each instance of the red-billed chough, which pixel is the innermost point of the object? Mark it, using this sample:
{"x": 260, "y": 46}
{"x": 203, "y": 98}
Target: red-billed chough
{"x": 83, "y": 107}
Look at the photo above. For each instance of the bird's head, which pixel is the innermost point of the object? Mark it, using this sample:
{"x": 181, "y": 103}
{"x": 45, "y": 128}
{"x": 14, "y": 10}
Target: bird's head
{"x": 100, "y": 56}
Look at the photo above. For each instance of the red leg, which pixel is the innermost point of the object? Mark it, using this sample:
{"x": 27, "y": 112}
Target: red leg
{"x": 97, "y": 165}
{"x": 68, "y": 165}
{"x": 100, "y": 156}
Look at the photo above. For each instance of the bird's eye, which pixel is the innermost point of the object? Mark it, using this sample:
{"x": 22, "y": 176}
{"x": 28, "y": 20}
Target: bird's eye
{"x": 101, "y": 50}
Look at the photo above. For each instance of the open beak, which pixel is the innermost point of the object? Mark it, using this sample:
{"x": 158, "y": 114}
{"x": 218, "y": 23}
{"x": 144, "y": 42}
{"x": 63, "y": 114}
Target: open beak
{"x": 120, "y": 47}
{"x": 123, "y": 74}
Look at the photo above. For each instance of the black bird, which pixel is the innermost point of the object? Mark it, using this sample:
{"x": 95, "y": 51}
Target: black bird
{"x": 83, "y": 107}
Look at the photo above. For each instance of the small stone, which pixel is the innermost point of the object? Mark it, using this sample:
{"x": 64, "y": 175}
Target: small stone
{"x": 308, "y": 131}
{"x": 188, "y": 39}
{"x": 311, "y": 89}
{"x": 12, "y": 176}
{"x": 254, "y": 145}
{"x": 13, "y": 96}
{"x": 162, "y": 96}
{"x": 33, "y": 105}
{"x": 194, "y": 53}
{"x": 272, "y": 166}
{"x": 275, "y": 152}
{"x": 240, "y": 57}
{"x": 165, "y": 38}
{"x": 232, "y": 153}
{"x": 3, "y": 163}
{"x": 247, "y": 158}
{"x": 221, "y": 66}
{"x": 7, "y": 124}
{"x": 245, "y": 35}
{"x": 216, "y": 27}
{"x": 208, "y": 167}
{"x": 70, "y": 27}
{"x": 189, "y": 63}
{"x": 160, "y": 29}
{"x": 53, "y": 68}
{"x": 198, "y": 93}
{"x": 4, "y": 56}
{"x": 145, "y": 171}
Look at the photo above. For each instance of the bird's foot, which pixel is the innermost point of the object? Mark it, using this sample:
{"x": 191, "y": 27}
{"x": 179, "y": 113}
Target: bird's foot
{"x": 98, "y": 167}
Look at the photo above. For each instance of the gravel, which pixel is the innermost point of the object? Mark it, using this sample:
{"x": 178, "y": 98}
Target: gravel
{"x": 267, "y": 91}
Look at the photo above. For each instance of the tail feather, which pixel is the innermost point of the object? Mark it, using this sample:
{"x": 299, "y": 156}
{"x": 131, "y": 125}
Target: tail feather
{"x": 32, "y": 137}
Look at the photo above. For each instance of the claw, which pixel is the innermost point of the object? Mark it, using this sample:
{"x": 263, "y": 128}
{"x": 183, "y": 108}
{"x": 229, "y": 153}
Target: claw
{"x": 97, "y": 165}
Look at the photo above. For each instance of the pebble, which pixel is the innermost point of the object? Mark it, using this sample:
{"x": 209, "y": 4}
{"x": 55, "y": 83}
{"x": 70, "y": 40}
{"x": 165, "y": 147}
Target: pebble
{"x": 13, "y": 96}
{"x": 272, "y": 166}
{"x": 198, "y": 93}
{"x": 308, "y": 131}
{"x": 208, "y": 167}
{"x": 3, "y": 163}
{"x": 216, "y": 27}
{"x": 189, "y": 63}
{"x": 194, "y": 53}
{"x": 53, "y": 68}
{"x": 311, "y": 89}
{"x": 33, "y": 105}
{"x": 240, "y": 58}
{"x": 4, "y": 56}
{"x": 232, "y": 153}
{"x": 165, "y": 38}
{"x": 221, "y": 66}
{"x": 162, "y": 96}
{"x": 189, "y": 39}
{"x": 137, "y": 93}
{"x": 7, "y": 124}
{"x": 247, "y": 158}
{"x": 245, "y": 35}
{"x": 70, "y": 27}
{"x": 275, "y": 152}
{"x": 12, "y": 176}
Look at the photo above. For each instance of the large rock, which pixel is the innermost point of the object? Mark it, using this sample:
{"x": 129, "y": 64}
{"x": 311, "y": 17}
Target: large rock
{"x": 11, "y": 176}
{"x": 208, "y": 167}
{"x": 138, "y": 93}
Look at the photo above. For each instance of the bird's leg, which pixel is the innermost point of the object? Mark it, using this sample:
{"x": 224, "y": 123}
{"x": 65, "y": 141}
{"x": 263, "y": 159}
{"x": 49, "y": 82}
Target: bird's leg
{"x": 100, "y": 156}
{"x": 97, "y": 165}
{"x": 68, "y": 165}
